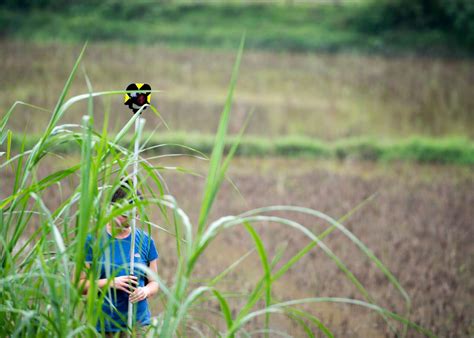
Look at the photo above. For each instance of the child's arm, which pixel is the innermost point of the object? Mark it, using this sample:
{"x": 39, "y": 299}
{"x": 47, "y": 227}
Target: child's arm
{"x": 153, "y": 285}
{"x": 120, "y": 283}
{"x": 150, "y": 289}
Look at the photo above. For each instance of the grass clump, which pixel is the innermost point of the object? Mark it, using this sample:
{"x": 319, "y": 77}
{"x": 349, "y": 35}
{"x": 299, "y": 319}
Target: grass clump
{"x": 447, "y": 150}
{"x": 43, "y": 243}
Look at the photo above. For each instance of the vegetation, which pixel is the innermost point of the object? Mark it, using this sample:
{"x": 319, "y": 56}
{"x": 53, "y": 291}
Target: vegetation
{"x": 453, "y": 150}
{"x": 345, "y": 104}
{"x": 40, "y": 293}
{"x": 324, "y": 97}
{"x": 388, "y": 27}
{"x": 455, "y": 16}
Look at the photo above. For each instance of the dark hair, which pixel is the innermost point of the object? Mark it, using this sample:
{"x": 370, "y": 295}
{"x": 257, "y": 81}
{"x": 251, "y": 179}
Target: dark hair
{"x": 125, "y": 191}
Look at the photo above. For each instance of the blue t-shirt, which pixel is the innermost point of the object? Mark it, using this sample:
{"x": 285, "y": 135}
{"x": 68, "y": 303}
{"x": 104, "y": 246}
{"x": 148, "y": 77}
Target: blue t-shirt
{"x": 115, "y": 260}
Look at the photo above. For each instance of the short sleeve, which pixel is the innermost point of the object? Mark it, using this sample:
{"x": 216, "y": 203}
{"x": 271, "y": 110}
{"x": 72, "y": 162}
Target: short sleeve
{"x": 152, "y": 252}
{"x": 88, "y": 249}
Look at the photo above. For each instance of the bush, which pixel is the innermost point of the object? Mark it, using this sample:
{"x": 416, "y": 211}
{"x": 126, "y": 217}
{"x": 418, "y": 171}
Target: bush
{"x": 456, "y": 16}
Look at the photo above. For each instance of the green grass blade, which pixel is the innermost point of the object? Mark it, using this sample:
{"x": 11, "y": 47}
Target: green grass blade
{"x": 224, "y": 308}
{"x": 211, "y": 182}
{"x": 266, "y": 267}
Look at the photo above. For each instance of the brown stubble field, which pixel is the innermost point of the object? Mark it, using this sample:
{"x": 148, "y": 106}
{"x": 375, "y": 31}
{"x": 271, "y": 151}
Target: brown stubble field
{"x": 327, "y": 96}
{"x": 419, "y": 224}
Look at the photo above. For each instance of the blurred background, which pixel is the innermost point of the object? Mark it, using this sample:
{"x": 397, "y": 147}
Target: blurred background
{"x": 349, "y": 99}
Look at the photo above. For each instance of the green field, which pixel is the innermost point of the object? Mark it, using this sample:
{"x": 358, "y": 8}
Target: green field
{"x": 307, "y": 27}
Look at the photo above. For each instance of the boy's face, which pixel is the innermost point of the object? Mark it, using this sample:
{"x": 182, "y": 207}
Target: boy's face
{"x": 122, "y": 221}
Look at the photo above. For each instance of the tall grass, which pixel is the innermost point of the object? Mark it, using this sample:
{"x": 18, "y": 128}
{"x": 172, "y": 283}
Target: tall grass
{"x": 40, "y": 290}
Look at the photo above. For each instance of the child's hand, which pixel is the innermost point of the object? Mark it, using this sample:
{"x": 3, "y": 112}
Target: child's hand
{"x": 125, "y": 283}
{"x": 139, "y": 294}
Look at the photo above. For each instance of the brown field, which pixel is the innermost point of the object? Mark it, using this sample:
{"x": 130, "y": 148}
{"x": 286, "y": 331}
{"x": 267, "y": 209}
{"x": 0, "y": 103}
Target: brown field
{"x": 327, "y": 96}
{"x": 419, "y": 224}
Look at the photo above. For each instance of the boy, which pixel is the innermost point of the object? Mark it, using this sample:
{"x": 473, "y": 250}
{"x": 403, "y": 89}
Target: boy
{"x": 124, "y": 286}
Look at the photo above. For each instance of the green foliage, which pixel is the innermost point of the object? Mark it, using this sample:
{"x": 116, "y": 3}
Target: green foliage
{"x": 449, "y": 150}
{"x": 455, "y": 16}
{"x": 387, "y": 26}
{"x": 62, "y": 5}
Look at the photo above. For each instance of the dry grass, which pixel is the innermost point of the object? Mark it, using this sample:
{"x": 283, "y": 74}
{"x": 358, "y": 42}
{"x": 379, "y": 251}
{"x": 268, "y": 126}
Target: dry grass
{"x": 326, "y": 96}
